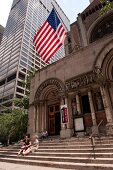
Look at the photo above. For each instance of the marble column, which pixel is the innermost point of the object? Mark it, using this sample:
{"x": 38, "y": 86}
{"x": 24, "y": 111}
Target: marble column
{"x": 108, "y": 111}
{"x": 31, "y": 121}
{"x": 45, "y": 116}
{"x": 62, "y": 102}
{"x": 42, "y": 116}
{"x": 37, "y": 119}
{"x": 35, "y": 124}
{"x": 94, "y": 127}
{"x": 78, "y": 103}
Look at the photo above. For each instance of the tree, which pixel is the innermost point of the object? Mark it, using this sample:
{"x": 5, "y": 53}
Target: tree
{"x": 13, "y": 126}
{"x": 107, "y": 6}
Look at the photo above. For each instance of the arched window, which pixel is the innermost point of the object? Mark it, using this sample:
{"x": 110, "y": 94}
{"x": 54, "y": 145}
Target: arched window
{"x": 102, "y": 28}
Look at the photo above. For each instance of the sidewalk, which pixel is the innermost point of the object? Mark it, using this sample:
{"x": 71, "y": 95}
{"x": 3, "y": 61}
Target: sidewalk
{"x": 12, "y": 166}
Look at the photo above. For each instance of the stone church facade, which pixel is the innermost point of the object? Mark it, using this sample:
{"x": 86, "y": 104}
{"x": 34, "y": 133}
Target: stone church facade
{"x": 74, "y": 96}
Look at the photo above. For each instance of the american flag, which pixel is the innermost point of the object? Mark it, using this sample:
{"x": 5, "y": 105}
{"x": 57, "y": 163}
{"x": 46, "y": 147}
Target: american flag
{"x": 49, "y": 37}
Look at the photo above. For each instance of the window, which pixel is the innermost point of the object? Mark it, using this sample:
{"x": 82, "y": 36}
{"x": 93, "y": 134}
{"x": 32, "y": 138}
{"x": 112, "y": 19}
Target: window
{"x": 12, "y": 77}
{"x": 2, "y": 82}
{"x": 21, "y": 76}
{"x": 103, "y": 28}
{"x": 20, "y": 90}
{"x": 21, "y": 84}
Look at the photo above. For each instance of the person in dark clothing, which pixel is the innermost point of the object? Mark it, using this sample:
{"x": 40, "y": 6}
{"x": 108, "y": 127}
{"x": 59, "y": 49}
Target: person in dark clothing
{"x": 26, "y": 143}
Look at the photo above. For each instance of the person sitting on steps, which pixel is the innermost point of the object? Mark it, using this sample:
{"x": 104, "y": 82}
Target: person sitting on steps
{"x": 44, "y": 134}
{"x": 35, "y": 144}
{"x": 26, "y": 143}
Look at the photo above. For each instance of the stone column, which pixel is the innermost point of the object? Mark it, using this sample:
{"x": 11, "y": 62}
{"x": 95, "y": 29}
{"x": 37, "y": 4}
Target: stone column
{"x": 62, "y": 102}
{"x": 42, "y": 117}
{"x": 37, "y": 119}
{"x": 78, "y": 103}
{"x": 65, "y": 127}
{"x": 107, "y": 107}
{"x": 45, "y": 115}
{"x": 31, "y": 121}
{"x": 82, "y": 31}
{"x": 94, "y": 127}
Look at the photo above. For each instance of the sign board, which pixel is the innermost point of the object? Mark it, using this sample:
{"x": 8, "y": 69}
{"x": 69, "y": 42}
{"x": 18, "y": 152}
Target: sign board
{"x": 64, "y": 113}
{"x": 79, "y": 124}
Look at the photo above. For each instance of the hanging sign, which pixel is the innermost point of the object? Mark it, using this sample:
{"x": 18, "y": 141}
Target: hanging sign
{"x": 64, "y": 113}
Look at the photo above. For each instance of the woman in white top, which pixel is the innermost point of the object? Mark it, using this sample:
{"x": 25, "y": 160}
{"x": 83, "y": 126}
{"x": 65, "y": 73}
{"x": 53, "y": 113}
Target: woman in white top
{"x": 35, "y": 145}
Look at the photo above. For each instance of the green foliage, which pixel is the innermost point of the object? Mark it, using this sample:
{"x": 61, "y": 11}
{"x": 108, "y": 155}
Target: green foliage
{"x": 13, "y": 125}
{"x": 30, "y": 75}
{"x": 107, "y": 7}
{"x": 22, "y": 103}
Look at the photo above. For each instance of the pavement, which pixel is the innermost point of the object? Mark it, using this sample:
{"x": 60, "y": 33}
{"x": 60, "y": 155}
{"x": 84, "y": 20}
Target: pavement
{"x": 12, "y": 166}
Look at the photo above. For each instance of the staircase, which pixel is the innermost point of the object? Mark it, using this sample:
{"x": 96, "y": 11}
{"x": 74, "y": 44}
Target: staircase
{"x": 74, "y": 153}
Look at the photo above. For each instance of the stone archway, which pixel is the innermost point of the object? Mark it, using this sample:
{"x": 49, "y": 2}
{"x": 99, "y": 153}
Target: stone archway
{"x": 101, "y": 27}
{"x": 104, "y": 62}
{"x": 48, "y": 98}
{"x": 47, "y": 86}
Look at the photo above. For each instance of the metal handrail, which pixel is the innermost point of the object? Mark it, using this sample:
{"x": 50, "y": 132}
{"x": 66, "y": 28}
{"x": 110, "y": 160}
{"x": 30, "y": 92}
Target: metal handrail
{"x": 96, "y": 128}
{"x": 93, "y": 140}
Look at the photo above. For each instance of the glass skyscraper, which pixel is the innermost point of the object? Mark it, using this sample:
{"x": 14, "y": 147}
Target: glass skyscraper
{"x": 17, "y": 52}
{"x": 1, "y": 32}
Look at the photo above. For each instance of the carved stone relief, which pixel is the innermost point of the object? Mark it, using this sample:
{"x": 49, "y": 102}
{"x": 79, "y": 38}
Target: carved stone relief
{"x": 81, "y": 81}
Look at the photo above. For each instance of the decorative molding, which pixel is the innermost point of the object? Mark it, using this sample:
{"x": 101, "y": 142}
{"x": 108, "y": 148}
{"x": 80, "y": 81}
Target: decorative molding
{"x": 52, "y": 81}
{"x": 81, "y": 81}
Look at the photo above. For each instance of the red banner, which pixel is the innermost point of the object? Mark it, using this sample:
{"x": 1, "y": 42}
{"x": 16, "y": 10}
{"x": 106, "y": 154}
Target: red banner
{"x": 64, "y": 113}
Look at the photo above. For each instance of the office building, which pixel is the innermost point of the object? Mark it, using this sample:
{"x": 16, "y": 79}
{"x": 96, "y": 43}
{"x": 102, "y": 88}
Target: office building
{"x": 17, "y": 52}
{"x": 1, "y": 32}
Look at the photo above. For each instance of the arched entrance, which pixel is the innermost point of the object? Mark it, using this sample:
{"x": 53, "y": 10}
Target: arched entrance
{"x": 52, "y": 98}
{"x": 54, "y": 125}
{"x": 48, "y": 100}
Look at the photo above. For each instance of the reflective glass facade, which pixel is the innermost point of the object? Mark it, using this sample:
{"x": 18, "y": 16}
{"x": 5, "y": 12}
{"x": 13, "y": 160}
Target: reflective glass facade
{"x": 17, "y": 52}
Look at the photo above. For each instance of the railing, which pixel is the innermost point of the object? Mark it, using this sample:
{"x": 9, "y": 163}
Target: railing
{"x": 92, "y": 138}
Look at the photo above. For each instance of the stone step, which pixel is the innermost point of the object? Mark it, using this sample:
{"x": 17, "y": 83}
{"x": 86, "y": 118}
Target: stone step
{"x": 78, "y": 146}
{"x": 68, "y": 154}
{"x": 63, "y": 146}
{"x": 104, "y": 137}
{"x": 61, "y": 159}
{"x": 65, "y": 150}
{"x": 78, "y": 149}
{"x": 47, "y": 144}
{"x": 64, "y": 143}
{"x": 104, "y": 141}
{"x": 66, "y": 165}
{"x": 76, "y": 140}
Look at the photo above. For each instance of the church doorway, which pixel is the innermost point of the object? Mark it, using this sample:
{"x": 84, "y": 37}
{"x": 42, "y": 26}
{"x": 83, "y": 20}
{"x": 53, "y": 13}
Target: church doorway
{"x": 54, "y": 123}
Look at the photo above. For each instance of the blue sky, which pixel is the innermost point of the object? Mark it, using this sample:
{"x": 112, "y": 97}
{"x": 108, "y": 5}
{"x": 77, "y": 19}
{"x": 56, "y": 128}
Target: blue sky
{"x": 73, "y": 7}
{"x": 70, "y": 7}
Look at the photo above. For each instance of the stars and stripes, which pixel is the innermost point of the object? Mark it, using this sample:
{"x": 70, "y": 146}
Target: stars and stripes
{"x": 49, "y": 37}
